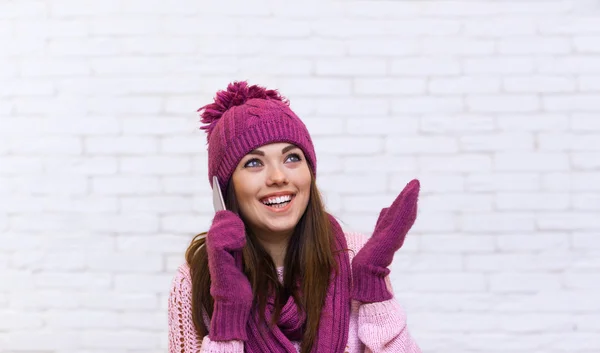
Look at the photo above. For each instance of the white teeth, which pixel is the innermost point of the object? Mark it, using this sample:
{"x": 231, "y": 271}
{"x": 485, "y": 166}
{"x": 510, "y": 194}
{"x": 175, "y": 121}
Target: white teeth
{"x": 277, "y": 200}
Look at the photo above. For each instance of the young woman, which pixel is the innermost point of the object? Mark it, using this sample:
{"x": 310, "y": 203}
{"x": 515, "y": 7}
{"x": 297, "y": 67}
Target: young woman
{"x": 275, "y": 272}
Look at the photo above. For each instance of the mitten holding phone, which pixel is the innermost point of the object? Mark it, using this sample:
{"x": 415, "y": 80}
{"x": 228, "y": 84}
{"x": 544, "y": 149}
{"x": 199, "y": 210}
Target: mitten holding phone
{"x": 229, "y": 287}
{"x": 370, "y": 265}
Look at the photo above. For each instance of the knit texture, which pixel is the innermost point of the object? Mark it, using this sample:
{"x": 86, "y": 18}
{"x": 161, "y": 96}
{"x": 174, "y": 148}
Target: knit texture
{"x": 238, "y": 122}
{"x": 373, "y": 328}
{"x": 229, "y": 286}
{"x": 370, "y": 266}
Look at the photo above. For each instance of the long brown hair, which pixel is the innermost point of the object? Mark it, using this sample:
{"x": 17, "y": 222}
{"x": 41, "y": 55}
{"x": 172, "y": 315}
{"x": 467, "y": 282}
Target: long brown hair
{"x": 309, "y": 261}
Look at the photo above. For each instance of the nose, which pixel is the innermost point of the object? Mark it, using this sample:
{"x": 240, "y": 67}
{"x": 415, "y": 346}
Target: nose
{"x": 276, "y": 176}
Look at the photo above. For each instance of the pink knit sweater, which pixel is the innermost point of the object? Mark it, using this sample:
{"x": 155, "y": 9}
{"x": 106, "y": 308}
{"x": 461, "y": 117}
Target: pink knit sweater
{"x": 377, "y": 327}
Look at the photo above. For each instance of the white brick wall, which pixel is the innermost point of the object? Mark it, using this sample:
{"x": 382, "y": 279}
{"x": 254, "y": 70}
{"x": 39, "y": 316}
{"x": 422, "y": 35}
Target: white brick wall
{"x": 493, "y": 104}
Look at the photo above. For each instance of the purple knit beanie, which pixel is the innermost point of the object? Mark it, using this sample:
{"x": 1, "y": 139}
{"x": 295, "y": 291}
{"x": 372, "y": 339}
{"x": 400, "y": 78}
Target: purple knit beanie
{"x": 243, "y": 118}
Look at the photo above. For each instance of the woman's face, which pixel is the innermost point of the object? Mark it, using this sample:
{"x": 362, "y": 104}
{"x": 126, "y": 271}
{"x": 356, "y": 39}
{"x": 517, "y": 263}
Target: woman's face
{"x": 272, "y": 187}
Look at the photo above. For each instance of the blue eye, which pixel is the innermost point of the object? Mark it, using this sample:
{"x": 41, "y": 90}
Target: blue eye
{"x": 293, "y": 157}
{"x": 253, "y": 163}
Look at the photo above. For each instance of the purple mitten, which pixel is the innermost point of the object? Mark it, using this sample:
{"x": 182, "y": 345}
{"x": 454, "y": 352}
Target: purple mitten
{"x": 370, "y": 265}
{"x": 229, "y": 286}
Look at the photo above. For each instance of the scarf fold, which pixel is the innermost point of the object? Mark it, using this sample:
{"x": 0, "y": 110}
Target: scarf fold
{"x": 332, "y": 334}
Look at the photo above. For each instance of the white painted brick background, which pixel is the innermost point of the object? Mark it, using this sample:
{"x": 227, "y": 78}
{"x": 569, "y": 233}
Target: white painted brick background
{"x": 494, "y": 105}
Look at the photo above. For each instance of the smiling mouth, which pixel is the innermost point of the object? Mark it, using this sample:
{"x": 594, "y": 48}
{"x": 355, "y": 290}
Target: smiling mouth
{"x": 278, "y": 201}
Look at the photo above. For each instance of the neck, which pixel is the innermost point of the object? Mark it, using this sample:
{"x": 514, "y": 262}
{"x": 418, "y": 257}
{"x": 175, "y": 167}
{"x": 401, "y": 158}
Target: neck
{"x": 275, "y": 244}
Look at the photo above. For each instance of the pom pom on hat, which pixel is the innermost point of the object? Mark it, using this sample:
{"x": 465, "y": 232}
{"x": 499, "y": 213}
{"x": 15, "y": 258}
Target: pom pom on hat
{"x": 237, "y": 93}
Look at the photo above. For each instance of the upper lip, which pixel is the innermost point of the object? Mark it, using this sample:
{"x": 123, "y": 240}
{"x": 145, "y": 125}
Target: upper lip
{"x": 275, "y": 194}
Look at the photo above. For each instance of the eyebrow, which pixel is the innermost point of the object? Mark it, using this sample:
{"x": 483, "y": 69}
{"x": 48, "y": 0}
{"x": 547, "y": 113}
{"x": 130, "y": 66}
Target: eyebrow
{"x": 284, "y": 150}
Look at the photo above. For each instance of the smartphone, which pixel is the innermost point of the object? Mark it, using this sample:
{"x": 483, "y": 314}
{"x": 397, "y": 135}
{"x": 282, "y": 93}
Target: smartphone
{"x": 218, "y": 201}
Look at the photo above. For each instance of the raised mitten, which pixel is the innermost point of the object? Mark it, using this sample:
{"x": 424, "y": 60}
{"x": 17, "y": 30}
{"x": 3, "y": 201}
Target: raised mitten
{"x": 370, "y": 265}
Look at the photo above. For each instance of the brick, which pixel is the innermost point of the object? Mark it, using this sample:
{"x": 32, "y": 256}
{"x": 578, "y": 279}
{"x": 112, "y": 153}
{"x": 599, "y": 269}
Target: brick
{"x": 572, "y": 103}
{"x": 536, "y": 122}
{"x": 318, "y": 87}
{"x": 322, "y": 125}
{"x": 585, "y": 240}
{"x": 145, "y": 105}
{"x": 502, "y": 103}
{"x": 72, "y": 8}
{"x": 262, "y": 65}
{"x": 568, "y": 221}
{"x": 471, "y": 84}
{"x": 585, "y": 160}
{"x": 158, "y": 165}
{"x": 458, "y": 163}
{"x": 426, "y": 263}
{"x": 457, "y": 46}
{"x": 534, "y": 45}
{"x": 97, "y": 125}
{"x": 51, "y": 28}
{"x": 499, "y": 27}
{"x": 532, "y": 201}
{"x": 561, "y": 25}
{"x": 568, "y": 142}
{"x": 123, "y": 339}
{"x": 27, "y": 87}
{"x": 47, "y": 145}
{"x": 369, "y": 183}
{"x": 12, "y": 320}
{"x": 90, "y": 46}
{"x": 186, "y": 223}
{"x": 456, "y": 202}
{"x": 52, "y": 185}
{"x": 353, "y": 107}
{"x": 125, "y": 223}
{"x": 81, "y": 165}
{"x": 382, "y": 47}
{"x": 456, "y": 123}
{"x": 571, "y": 64}
{"x": 529, "y": 162}
{"x": 389, "y": 86}
{"x": 143, "y": 283}
{"x": 181, "y": 144}
{"x": 581, "y": 280}
{"x": 20, "y": 165}
{"x": 349, "y": 27}
{"x": 154, "y": 321}
{"x": 539, "y": 84}
{"x": 349, "y": 146}
{"x": 120, "y": 145}
{"x": 158, "y": 204}
{"x": 425, "y": 65}
{"x": 118, "y": 300}
{"x": 526, "y": 243}
{"x": 499, "y": 65}
{"x": 589, "y": 83}
{"x": 364, "y": 203}
{"x": 497, "y": 222}
{"x": 23, "y": 10}
{"x": 130, "y": 262}
{"x": 587, "y": 44}
{"x": 305, "y": 47}
{"x": 183, "y": 185}
{"x": 151, "y": 244}
{"x": 497, "y": 142}
{"x": 442, "y": 282}
{"x": 54, "y": 67}
{"x": 575, "y": 301}
{"x": 70, "y": 280}
{"x": 430, "y": 182}
{"x": 456, "y": 243}
{"x": 586, "y": 202}
{"x": 398, "y": 124}
{"x": 427, "y": 104}
{"x": 521, "y": 282}
{"x": 421, "y": 145}
{"x": 518, "y": 262}
{"x": 440, "y": 222}
{"x": 378, "y": 163}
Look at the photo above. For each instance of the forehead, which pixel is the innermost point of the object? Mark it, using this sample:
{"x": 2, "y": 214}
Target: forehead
{"x": 275, "y": 148}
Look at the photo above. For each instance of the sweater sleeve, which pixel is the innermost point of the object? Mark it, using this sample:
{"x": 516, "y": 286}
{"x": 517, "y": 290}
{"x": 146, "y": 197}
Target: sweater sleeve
{"x": 381, "y": 326}
{"x": 182, "y": 333}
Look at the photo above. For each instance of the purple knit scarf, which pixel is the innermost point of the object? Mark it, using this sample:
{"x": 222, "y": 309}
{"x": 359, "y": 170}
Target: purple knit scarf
{"x": 332, "y": 334}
